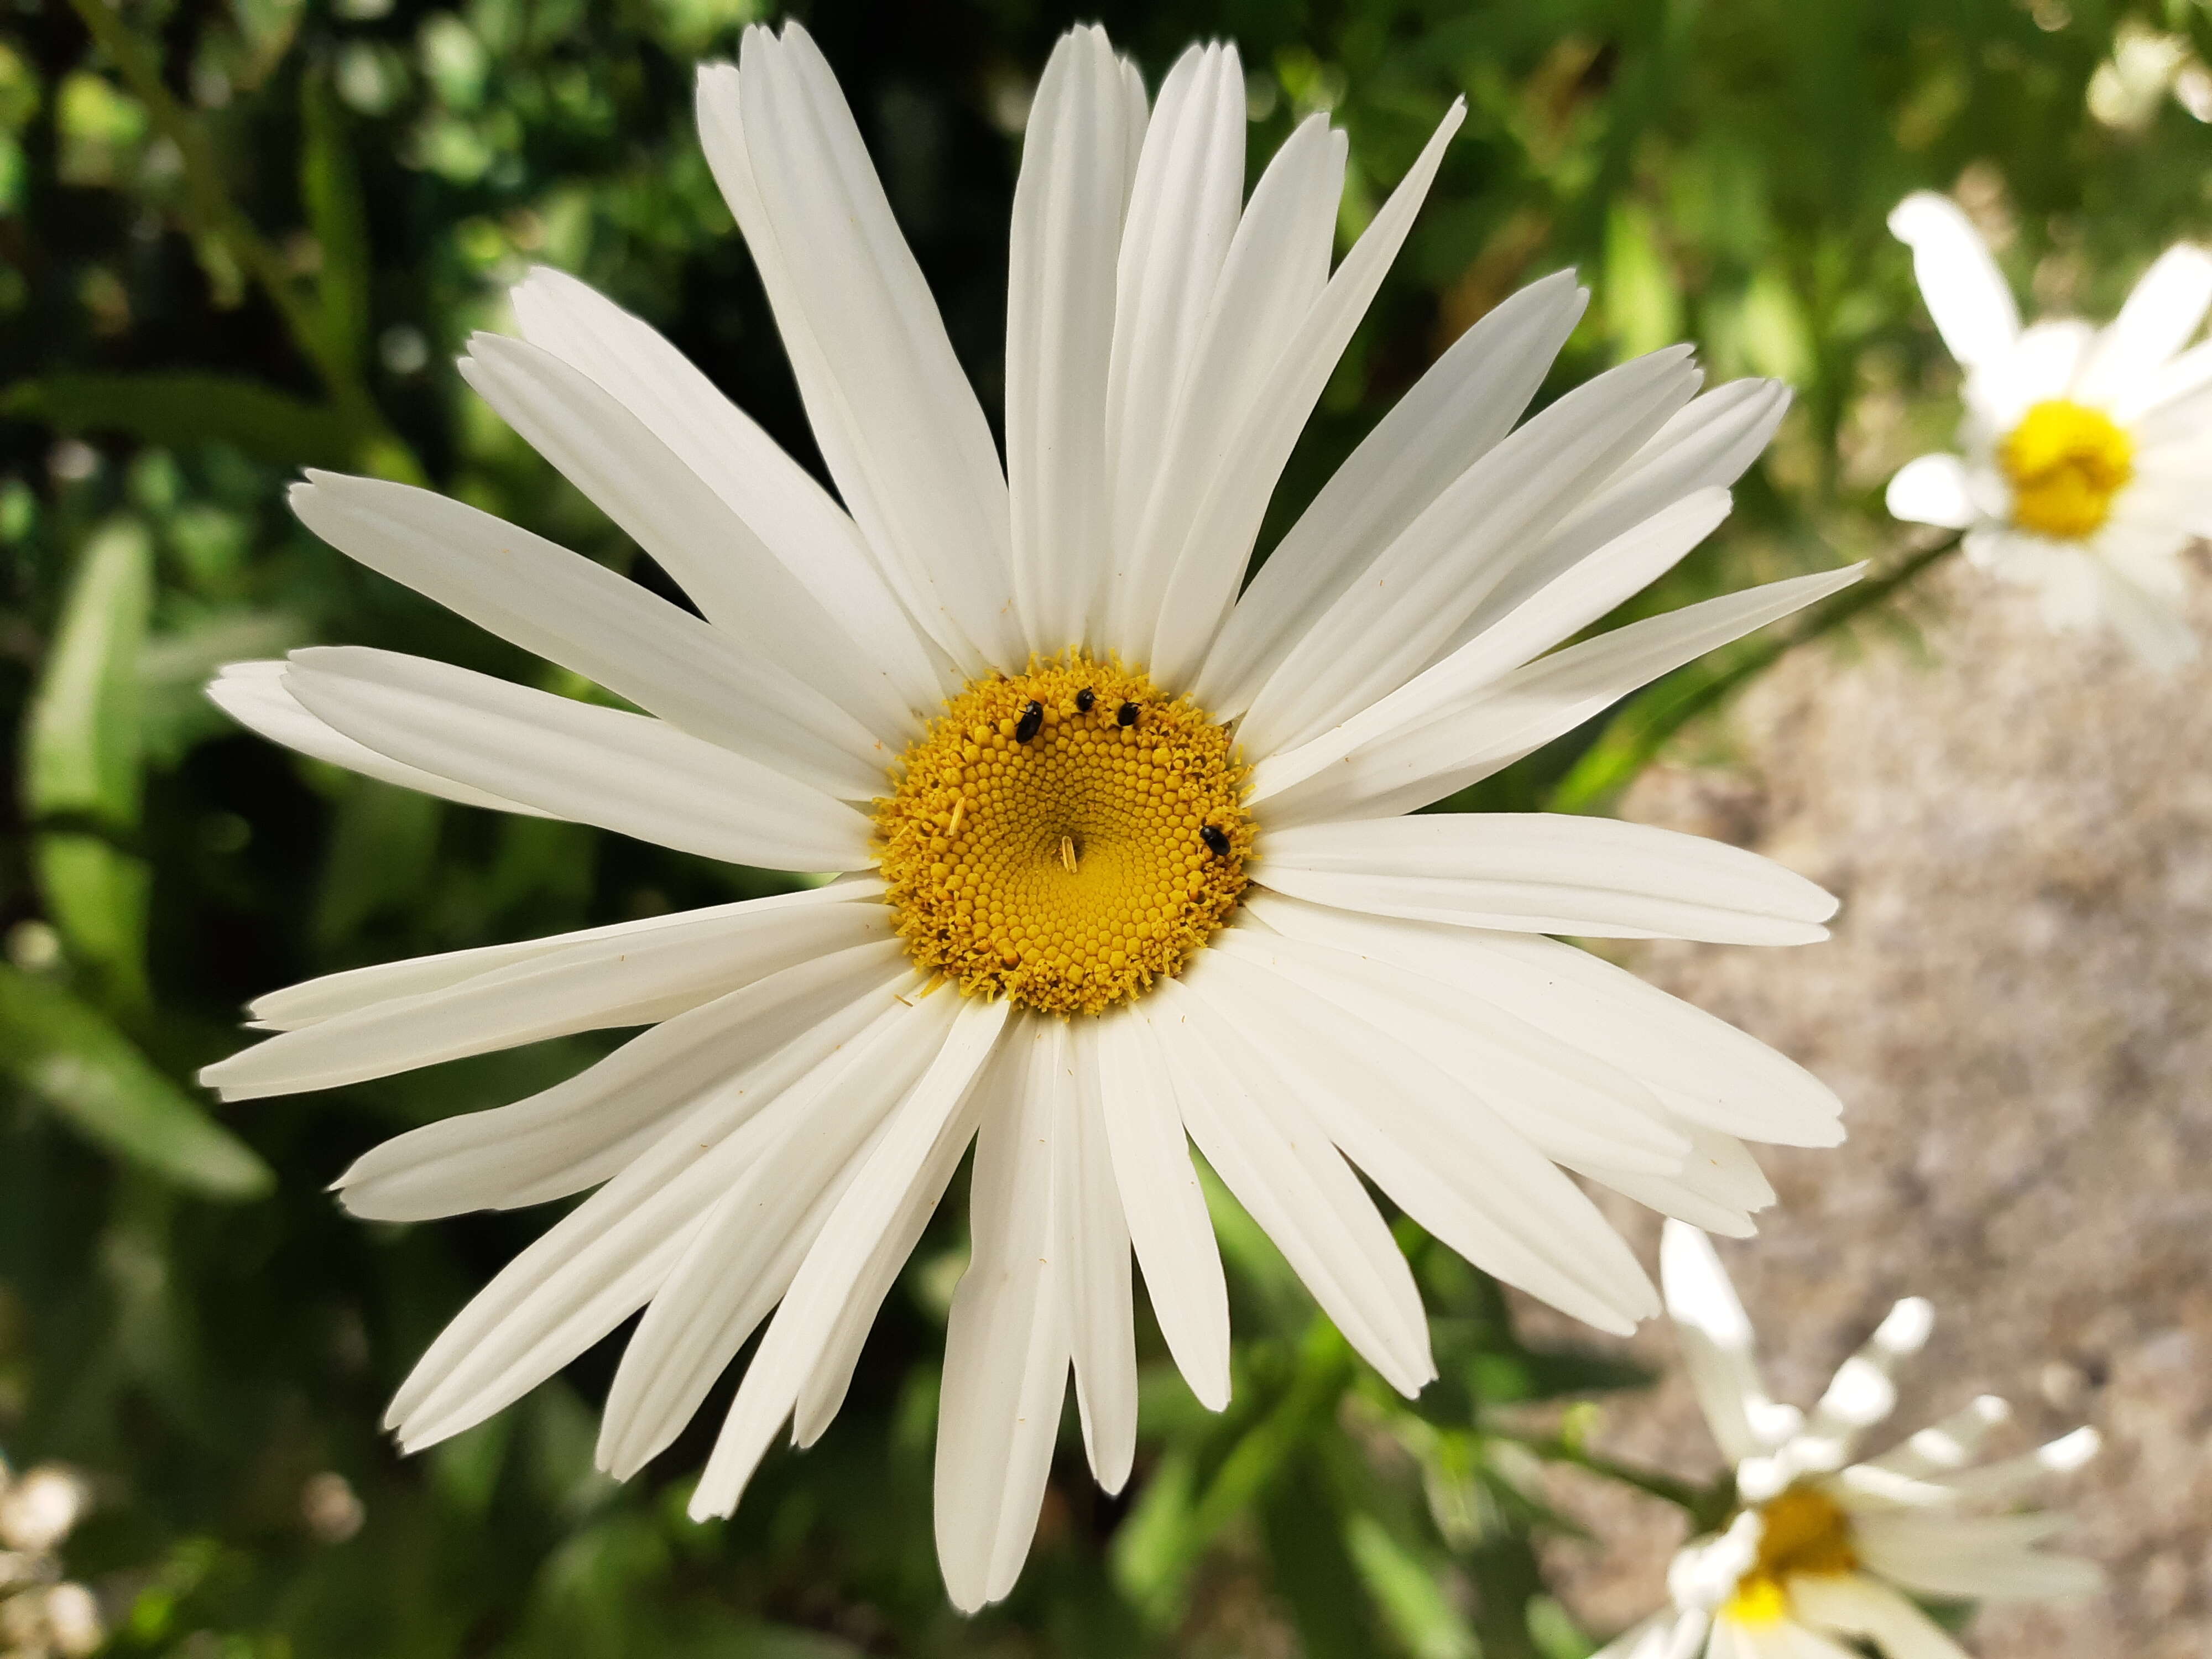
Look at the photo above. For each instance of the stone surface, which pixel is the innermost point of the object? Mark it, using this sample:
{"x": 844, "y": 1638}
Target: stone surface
{"x": 2016, "y": 1008}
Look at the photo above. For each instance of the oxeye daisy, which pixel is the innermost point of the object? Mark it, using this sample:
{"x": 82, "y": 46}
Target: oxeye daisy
{"x": 2088, "y": 467}
{"x": 1823, "y": 1550}
{"x": 1119, "y": 841}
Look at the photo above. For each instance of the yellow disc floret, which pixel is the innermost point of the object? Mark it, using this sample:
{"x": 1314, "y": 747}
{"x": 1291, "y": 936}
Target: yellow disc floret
{"x": 2066, "y": 462}
{"x": 1065, "y": 836}
{"x": 1802, "y": 1531}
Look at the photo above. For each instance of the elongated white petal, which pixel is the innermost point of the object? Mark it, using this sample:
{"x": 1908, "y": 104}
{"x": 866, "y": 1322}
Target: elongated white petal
{"x": 604, "y": 1260}
{"x": 1703, "y": 1068}
{"x": 1718, "y": 1188}
{"x": 739, "y": 1262}
{"x": 1454, "y": 1164}
{"x": 851, "y": 1254}
{"x": 1984, "y": 1557}
{"x": 1094, "y": 1252}
{"x": 793, "y": 516}
{"x": 1210, "y": 565}
{"x": 1932, "y": 489}
{"x": 254, "y": 695}
{"x": 1279, "y": 1163}
{"x": 607, "y": 627}
{"x": 1469, "y": 400}
{"x": 898, "y": 424}
{"x": 1164, "y": 1206}
{"x": 1852, "y": 1604}
{"x": 1006, "y": 1345}
{"x": 628, "y": 773}
{"x": 1412, "y": 600}
{"x": 581, "y": 1131}
{"x": 1965, "y": 291}
{"x": 2167, "y": 303}
{"x": 1948, "y": 1445}
{"x": 1495, "y": 726}
{"x": 1183, "y": 216}
{"x": 614, "y": 459}
{"x": 315, "y": 999}
{"x": 1060, "y": 337}
{"x": 1862, "y": 1391}
{"x": 2155, "y": 630}
{"x": 1547, "y": 872}
{"x": 1571, "y": 601}
{"x": 623, "y": 981}
{"x": 1715, "y": 1335}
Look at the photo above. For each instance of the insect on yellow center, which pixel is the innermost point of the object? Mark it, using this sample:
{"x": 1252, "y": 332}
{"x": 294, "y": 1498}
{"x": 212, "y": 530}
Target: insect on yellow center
{"x": 1802, "y": 1531}
{"x": 2066, "y": 463}
{"x": 1065, "y": 836}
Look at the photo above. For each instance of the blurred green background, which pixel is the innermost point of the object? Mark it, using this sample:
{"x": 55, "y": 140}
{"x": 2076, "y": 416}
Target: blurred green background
{"x": 241, "y": 236}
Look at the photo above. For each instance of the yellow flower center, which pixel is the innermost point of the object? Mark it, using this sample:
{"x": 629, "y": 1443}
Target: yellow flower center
{"x": 1804, "y": 1530}
{"x": 1064, "y": 836}
{"x": 2066, "y": 463}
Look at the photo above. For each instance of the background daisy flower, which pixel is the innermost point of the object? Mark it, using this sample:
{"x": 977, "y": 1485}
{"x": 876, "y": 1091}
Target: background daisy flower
{"x": 1121, "y": 853}
{"x": 2087, "y": 463}
{"x": 1824, "y": 1550}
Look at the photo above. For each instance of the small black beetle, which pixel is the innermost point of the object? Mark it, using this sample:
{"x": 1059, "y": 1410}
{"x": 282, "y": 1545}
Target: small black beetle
{"x": 1216, "y": 842}
{"x": 1032, "y": 723}
{"x": 1083, "y": 699}
{"x": 1125, "y": 715}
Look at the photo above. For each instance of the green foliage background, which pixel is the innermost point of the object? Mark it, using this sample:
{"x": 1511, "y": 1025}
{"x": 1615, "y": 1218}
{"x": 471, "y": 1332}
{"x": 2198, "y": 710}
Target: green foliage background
{"x": 241, "y": 236}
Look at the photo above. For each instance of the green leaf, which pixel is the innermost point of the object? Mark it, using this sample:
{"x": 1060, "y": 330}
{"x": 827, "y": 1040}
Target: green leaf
{"x": 1311, "y": 1572}
{"x": 95, "y": 1080}
{"x": 1406, "y": 1588}
{"x": 331, "y": 190}
{"x": 96, "y": 896}
{"x": 81, "y": 746}
{"x": 185, "y": 409}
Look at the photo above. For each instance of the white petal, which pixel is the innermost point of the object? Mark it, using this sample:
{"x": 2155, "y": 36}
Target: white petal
{"x": 1578, "y": 596}
{"x": 2044, "y": 362}
{"x": 316, "y": 999}
{"x": 1703, "y": 1067}
{"x": 580, "y": 1132}
{"x": 1861, "y": 1393}
{"x": 607, "y": 627}
{"x": 2172, "y": 408}
{"x": 1163, "y": 1204}
{"x": 1497, "y": 725}
{"x": 1949, "y": 1444}
{"x": 1852, "y": 1604}
{"x": 2168, "y": 302}
{"x": 1718, "y": 1188}
{"x": 2154, "y": 630}
{"x": 1453, "y": 1165}
{"x": 898, "y": 424}
{"x": 740, "y": 1263}
{"x": 1210, "y": 565}
{"x": 663, "y": 505}
{"x": 1094, "y": 1254}
{"x": 1183, "y": 216}
{"x": 1965, "y": 291}
{"x": 1469, "y": 400}
{"x": 628, "y": 773}
{"x": 1279, "y": 1163}
{"x": 1005, "y": 1346}
{"x": 1547, "y": 873}
{"x": 1984, "y": 1557}
{"x": 602, "y": 1261}
{"x": 2002, "y": 1481}
{"x": 254, "y": 695}
{"x": 1932, "y": 490}
{"x": 1060, "y": 336}
{"x": 1410, "y": 601}
{"x": 633, "y": 980}
{"x": 861, "y": 1248}
{"x": 794, "y": 518}
{"x": 1716, "y": 1338}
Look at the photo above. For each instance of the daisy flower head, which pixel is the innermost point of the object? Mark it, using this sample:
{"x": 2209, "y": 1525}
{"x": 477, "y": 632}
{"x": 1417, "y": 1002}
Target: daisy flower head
{"x": 1825, "y": 1551}
{"x": 1121, "y": 854}
{"x": 2087, "y": 463}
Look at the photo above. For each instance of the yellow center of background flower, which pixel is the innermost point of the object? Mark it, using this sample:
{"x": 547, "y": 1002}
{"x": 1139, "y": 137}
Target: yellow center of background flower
{"x": 2066, "y": 463}
{"x": 1802, "y": 1531}
{"x": 1064, "y": 836}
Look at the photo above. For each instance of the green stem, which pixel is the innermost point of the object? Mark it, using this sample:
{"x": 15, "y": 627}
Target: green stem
{"x": 1560, "y": 1448}
{"x": 1647, "y": 722}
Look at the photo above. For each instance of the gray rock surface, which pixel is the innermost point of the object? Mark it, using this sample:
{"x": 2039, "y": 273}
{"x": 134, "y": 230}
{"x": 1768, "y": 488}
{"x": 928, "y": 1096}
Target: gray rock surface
{"x": 2016, "y": 1008}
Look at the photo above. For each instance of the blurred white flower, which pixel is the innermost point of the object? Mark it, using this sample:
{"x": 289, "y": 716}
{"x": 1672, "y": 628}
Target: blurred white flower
{"x": 1824, "y": 1551}
{"x": 2087, "y": 463}
{"x": 42, "y": 1617}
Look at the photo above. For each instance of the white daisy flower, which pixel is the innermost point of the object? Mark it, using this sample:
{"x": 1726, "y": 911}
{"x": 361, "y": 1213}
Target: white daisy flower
{"x": 2089, "y": 451}
{"x": 1823, "y": 1550}
{"x": 1146, "y": 822}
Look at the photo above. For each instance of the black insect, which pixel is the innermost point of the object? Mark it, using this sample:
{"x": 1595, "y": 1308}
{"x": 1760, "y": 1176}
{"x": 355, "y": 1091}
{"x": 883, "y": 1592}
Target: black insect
{"x": 1032, "y": 723}
{"x": 1125, "y": 715}
{"x": 1216, "y": 842}
{"x": 1083, "y": 699}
